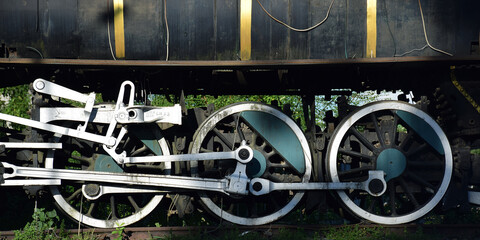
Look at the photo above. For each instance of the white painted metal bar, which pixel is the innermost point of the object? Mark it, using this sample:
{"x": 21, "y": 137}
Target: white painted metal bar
{"x": 30, "y": 182}
{"x": 32, "y": 145}
{"x": 109, "y": 141}
{"x": 46, "y": 87}
{"x": 206, "y": 184}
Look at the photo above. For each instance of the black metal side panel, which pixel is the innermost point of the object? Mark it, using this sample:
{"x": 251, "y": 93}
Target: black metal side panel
{"x": 93, "y": 20}
{"x": 191, "y": 29}
{"x": 227, "y": 38}
{"x": 144, "y": 30}
{"x": 19, "y": 26}
{"x": 59, "y": 28}
{"x": 400, "y": 28}
{"x": 210, "y": 29}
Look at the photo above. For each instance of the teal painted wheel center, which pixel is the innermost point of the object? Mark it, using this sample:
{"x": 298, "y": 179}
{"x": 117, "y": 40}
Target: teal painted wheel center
{"x": 257, "y": 166}
{"x": 392, "y": 162}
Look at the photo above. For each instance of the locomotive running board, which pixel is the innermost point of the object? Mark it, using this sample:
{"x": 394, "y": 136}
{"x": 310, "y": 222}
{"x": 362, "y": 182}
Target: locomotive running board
{"x": 375, "y": 185}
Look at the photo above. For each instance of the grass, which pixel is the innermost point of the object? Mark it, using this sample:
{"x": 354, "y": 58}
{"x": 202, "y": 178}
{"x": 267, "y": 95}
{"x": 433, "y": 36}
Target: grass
{"x": 48, "y": 225}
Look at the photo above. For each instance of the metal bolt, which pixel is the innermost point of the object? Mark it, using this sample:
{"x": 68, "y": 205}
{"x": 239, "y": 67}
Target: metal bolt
{"x": 243, "y": 154}
{"x": 112, "y": 141}
{"x": 92, "y": 190}
{"x": 40, "y": 85}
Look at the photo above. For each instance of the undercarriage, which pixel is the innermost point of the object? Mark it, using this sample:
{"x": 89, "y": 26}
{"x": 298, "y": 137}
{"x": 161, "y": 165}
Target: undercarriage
{"x": 249, "y": 163}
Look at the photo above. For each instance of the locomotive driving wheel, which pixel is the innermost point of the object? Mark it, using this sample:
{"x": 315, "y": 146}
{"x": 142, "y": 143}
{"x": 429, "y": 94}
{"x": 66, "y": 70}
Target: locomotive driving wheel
{"x": 115, "y": 209}
{"x": 281, "y": 154}
{"x": 404, "y": 142}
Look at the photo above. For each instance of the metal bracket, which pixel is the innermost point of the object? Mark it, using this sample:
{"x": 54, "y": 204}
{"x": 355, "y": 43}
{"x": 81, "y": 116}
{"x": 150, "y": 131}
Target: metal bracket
{"x": 46, "y": 87}
{"x": 474, "y": 197}
{"x": 109, "y": 141}
{"x": 145, "y": 114}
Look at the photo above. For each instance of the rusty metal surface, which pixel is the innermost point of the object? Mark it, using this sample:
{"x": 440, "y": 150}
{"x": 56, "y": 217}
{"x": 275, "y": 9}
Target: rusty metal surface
{"x": 96, "y": 63}
{"x": 435, "y": 231}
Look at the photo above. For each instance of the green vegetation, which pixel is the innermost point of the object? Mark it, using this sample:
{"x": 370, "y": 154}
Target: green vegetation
{"x": 350, "y": 232}
{"x": 18, "y": 99}
{"x": 43, "y": 226}
{"x": 119, "y": 232}
{"x": 15, "y": 101}
{"x": 47, "y": 225}
{"x": 290, "y": 102}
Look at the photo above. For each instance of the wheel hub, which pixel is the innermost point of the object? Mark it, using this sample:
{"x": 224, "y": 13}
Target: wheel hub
{"x": 392, "y": 162}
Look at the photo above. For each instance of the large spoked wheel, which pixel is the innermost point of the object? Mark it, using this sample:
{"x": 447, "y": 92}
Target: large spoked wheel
{"x": 109, "y": 210}
{"x": 281, "y": 154}
{"x": 404, "y": 142}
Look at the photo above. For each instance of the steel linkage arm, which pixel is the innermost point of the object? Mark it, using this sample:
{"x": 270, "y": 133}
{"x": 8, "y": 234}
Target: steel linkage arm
{"x": 375, "y": 185}
{"x": 134, "y": 179}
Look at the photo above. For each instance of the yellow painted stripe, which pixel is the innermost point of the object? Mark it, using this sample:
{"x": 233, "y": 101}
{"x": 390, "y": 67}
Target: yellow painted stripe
{"x": 463, "y": 91}
{"x": 371, "y": 28}
{"x": 119, "y": 28}
{"x": 245, "y": 29}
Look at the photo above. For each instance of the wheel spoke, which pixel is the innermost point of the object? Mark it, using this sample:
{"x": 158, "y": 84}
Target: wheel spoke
{"x": 133, "y": 203}
{"x": 83, "y": 160}
{"x": 74, "y": 195}
{"x": 395, "y": 129}
{"x": 223, "y": 138}
{"x": 372, "y": 203}
{"x": 407, "y": 141}
{"x": 414, "y": 177}
{"x": 140, "y": 151}
{"x": 422, "y": 148}
{"x": 239, "y": 128}
{"x": 380, "y": 136}
{"x": 409, "y": 193}
{"x": 278, "y": 165}
{"x": 437, "y": 165}
{"x": 343, "y": 174}
{"x": 205, "y": 150}
{"x": 91, "y": 209}
{"x": 362, "y": 139}
{"x": 360, "y": 156}
{"x": 113, "y": 208}
{"x": 391, "y": 194}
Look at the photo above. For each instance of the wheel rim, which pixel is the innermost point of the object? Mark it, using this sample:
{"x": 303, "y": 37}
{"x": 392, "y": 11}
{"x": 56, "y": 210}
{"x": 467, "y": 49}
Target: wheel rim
{"x": 103, "y": 212}
{"x": 417, "y": 161}
{"x": 249, "y": 210}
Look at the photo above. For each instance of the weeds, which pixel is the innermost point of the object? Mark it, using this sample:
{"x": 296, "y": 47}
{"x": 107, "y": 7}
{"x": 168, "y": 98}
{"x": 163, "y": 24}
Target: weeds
{"x": 47, "y": 225}
{"x": 43, "y": 226}
{"x": 119, "y": 231}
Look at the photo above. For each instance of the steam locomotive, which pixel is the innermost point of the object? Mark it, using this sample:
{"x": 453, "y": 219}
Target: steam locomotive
{"x": 110, "y": 163}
